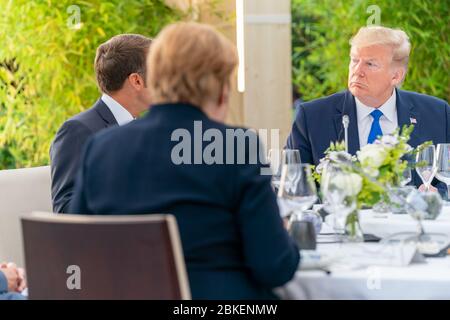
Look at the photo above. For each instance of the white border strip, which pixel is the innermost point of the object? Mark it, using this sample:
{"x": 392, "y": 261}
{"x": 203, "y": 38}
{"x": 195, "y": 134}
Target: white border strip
{"x": 268, "y": 19}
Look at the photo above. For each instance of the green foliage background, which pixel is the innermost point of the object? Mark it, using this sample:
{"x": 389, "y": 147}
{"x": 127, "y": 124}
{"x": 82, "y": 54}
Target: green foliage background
{"x": 46, "y": 68}
{"x": 321, "y": 30}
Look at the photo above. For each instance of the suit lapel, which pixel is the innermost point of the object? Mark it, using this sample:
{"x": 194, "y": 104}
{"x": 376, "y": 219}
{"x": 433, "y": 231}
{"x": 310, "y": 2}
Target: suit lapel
{"x": 347, "y": 107}
{"x": 406, "y": 115}
{"x": 104, "y": 112}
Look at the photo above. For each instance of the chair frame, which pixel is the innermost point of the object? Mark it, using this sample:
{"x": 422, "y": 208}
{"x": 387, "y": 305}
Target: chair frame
{"x": 124, "y": 219}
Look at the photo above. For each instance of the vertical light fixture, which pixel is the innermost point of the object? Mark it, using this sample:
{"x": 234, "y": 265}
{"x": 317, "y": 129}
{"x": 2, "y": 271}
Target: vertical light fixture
{"x": 240, "y": 44}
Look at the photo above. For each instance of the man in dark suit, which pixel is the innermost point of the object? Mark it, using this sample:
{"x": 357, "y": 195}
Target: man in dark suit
{"x": 378, "y": 64}
{"x": 120, "y": 67}
{"x": 234, "y": 242}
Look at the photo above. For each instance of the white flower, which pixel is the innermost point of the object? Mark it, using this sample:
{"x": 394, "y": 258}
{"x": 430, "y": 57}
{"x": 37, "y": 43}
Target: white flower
{"x": 340, "y": 156}
{"x": 372, "y": 155}
{"x": 371, "y": 172}
{"x": 322, "y": 164}
{"x": 349, "y": 183}
{"x": 389, "y": 140}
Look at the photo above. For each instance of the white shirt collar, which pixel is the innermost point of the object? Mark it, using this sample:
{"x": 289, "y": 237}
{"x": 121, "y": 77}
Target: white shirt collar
{"x": 120, "y": 113}
{"x": 388, "y": 108}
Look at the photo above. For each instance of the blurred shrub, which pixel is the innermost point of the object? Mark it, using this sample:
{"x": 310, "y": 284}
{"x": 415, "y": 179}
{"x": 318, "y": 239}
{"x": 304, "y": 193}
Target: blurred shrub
{"x": 46, "y": 64}
{"x": 321, "y": 30}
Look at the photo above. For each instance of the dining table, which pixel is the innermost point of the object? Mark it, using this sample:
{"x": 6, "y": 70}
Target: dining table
{"x": 377, "y": 270}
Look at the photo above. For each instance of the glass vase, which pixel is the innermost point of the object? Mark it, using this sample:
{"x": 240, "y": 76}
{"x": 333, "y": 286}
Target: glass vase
{"x": 353, "y": 231}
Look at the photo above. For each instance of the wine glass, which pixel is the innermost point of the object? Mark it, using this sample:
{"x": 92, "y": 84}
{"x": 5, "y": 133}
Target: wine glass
{"x": 339, "y": 196}
{"x": 443, "y": 166}
{"x": 426, "y": 169}
{"x": 297, "y": 189}
{"x": 291, "y": 156}
{"x": 288, "y": 156}
{"x": 424, "y": 206}
{"x": 274, "y": 159}
{"x": 406, "y": 177}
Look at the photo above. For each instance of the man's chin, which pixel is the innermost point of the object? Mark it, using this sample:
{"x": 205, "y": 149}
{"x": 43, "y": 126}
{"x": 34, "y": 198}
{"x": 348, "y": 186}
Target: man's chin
{"x": 355, "y": 90}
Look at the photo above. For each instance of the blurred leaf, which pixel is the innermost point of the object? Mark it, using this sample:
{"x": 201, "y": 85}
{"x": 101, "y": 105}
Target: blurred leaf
{"x": 46, "y": 67}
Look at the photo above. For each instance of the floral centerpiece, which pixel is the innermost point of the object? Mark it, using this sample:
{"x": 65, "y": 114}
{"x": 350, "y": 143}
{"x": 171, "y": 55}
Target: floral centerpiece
{"x": 375, "y": 168}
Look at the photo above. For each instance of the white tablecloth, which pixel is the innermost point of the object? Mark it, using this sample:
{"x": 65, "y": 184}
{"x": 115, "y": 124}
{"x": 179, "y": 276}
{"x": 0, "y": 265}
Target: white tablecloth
{"x": 430, "y": 280}
{"x": 383, "y": 225}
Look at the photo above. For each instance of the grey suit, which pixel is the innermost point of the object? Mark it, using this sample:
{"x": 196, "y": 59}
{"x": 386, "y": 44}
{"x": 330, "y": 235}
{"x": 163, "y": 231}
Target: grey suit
{"x": 66, "y": 149}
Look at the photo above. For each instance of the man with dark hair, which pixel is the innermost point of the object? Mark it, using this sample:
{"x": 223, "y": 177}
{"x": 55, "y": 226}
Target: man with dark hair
{"x": 120, "y": 68}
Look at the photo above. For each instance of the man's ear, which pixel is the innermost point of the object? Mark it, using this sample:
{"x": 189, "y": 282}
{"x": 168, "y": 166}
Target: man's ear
{"x": 136, "y": 81}
{"x": 398, "y": 76}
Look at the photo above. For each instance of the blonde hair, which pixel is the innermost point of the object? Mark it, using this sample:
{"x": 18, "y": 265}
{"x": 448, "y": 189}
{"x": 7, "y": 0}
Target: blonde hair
{"x": 190, "y": 62}
{"x": 397, "y": 39}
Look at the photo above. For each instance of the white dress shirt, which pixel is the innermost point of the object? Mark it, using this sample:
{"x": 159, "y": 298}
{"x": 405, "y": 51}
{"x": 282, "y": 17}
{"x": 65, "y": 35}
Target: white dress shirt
{"x": 388, "y": 120}
{"x": 121, "y": 114}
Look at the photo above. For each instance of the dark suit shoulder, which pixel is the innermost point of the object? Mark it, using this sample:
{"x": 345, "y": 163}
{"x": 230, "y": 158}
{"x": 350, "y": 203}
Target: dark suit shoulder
{"x": 90, "y": 119}
{"x": 421, "y": 100}
{"x": 114, "y": 133}
{"x": 71, "y": 130}
{"x": 75, "y": 124}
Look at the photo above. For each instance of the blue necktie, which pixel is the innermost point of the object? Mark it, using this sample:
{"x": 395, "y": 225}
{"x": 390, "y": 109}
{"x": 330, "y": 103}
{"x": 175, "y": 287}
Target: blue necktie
{"x": 375, "y": 130}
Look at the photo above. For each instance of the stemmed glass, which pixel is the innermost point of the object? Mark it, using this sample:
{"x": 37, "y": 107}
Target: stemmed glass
{"x": 297, "y": 189}
{"x": 420, "y": 208}
{"x": 406, "y": 177}
{"x": 443, "y": 166}
{"x": 274, "y": 159}
{"x": 339, "y": 198}
{"x": 426, "y": 169}
{"x": 288, "y": 156}
{"x": 291, "y": 156}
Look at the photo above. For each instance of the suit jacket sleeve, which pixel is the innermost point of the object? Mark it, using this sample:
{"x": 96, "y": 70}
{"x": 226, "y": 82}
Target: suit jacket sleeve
{"x": 269, "y": 252}
{"x": 298, "y": 138}
{"x": 65, "y": 158}
{"x": 79, "y": 204}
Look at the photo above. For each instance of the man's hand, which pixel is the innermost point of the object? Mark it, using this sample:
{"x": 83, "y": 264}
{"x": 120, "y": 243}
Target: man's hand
{"x": 22, "y": 279}
{"x": 12, "y": 276}
{"x": 432, "y": 189}
{"x": 15, "y": 276}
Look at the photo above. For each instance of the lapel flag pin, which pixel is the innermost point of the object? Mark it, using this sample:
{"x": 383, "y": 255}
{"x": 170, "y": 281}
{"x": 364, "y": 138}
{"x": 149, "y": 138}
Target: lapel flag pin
{"x": 413, "y": 120}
